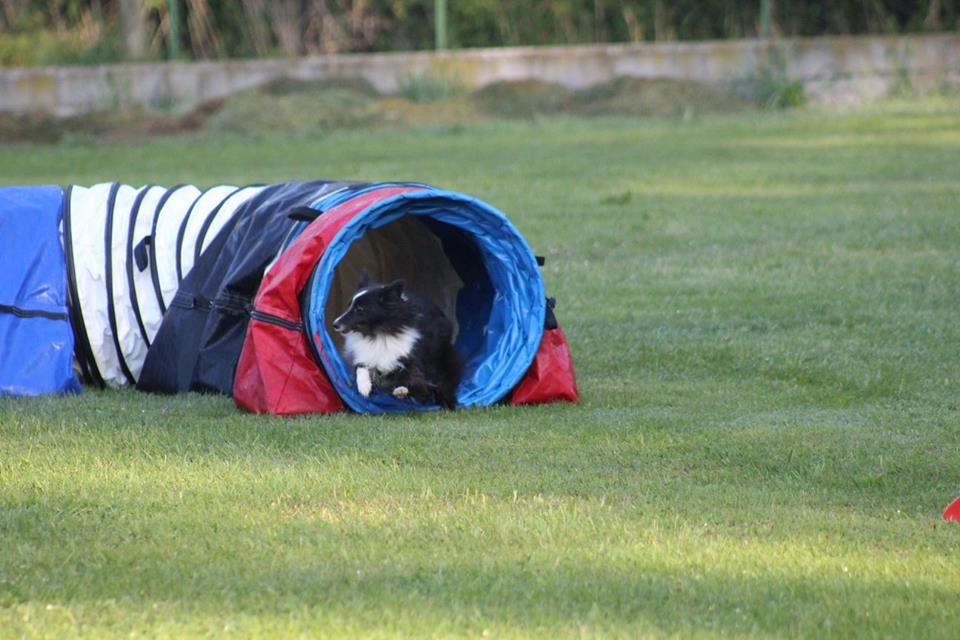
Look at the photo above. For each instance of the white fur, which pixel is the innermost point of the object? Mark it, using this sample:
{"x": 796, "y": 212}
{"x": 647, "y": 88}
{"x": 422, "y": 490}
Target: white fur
{"x": 364, "y": 385}
{"x": 400, "y": 392}
{"x": 381, "y": 353}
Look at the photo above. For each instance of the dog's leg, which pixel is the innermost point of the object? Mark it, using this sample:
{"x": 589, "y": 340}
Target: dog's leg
{"x": 446, "y": 396}
{"x": 400, "y": 392}
{"x": 419, "y": 390}
{"x": 364, "y": 385}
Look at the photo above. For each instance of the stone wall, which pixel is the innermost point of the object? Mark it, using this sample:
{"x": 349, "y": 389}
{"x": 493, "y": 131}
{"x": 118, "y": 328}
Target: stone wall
{"x": 833, "y": 70}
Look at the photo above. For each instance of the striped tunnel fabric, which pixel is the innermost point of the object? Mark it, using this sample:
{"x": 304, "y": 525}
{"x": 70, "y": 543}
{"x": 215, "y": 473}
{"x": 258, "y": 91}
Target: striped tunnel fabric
{"x": 127, "y": 249}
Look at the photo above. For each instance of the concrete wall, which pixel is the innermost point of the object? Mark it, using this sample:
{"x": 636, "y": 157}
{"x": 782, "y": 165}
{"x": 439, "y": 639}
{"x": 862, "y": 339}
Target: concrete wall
{"x": 833, "y": 70}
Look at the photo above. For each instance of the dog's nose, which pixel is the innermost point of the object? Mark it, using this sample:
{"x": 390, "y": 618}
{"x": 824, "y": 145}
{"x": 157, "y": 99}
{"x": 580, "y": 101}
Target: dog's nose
{"x": 339, "y": 327}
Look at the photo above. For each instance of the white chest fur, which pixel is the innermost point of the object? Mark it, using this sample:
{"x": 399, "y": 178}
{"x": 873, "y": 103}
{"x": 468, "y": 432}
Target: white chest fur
{"x": 382, "y": 353}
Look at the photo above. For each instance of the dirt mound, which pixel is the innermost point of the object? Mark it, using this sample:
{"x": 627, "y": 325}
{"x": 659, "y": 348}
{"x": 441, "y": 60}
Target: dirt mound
{"x": 522, "y": 99}
{"x": 453, "y": 110}
{"x": 29, "y": 128}
{"x": 289, "y": 86}
{"x": 101, "y": 125}
{"x": 290, "y": 105}
{"x": 622, "y": 96}
{"x": 653, "y": 97}
{"x": 295, "y": 108}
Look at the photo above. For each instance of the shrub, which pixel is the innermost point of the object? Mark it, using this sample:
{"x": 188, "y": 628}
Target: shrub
{"x": 769, "y": 85}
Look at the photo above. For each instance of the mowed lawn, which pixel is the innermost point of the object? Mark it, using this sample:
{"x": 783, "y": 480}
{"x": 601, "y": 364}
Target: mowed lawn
{"x": 763, "y": 312}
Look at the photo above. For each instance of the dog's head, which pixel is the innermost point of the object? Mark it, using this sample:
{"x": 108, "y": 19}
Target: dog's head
{"x": 374, "y": 309}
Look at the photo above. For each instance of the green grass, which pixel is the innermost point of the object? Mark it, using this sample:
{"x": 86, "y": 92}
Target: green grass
{"x": 763, "y": 315}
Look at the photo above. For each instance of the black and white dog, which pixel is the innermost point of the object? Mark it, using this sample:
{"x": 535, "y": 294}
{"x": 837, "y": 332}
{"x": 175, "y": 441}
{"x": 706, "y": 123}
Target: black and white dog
{"x": 400, "y": 344}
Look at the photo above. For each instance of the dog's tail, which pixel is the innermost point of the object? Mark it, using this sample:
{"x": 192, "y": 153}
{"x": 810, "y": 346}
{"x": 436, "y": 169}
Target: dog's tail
{"x": 451, "y": 364}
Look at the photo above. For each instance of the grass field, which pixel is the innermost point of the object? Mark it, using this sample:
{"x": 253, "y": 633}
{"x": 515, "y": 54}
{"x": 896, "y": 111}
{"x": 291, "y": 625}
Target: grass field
{"x": 763, "y": 316}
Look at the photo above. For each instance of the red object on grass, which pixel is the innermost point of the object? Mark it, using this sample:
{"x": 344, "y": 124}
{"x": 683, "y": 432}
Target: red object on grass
{"x": 953, "y": 511}
{"x": 550, "y": 378}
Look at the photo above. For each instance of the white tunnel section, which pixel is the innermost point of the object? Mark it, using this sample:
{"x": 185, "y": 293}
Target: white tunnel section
{"x": 130, "y": 249}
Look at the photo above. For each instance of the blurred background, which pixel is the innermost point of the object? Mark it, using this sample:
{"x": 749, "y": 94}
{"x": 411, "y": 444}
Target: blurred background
{"x": 43, "y": 32}
{"x": 278, "y": 65}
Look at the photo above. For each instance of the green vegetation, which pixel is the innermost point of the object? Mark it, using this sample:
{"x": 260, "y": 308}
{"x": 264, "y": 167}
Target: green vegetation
{"x": 36, "y": 32}
{"x": 762, "y": 311}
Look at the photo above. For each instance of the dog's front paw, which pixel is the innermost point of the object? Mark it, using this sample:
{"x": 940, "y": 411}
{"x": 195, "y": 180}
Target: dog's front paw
{"x": 364, "y": 385}
{"x": 401, "y": 393}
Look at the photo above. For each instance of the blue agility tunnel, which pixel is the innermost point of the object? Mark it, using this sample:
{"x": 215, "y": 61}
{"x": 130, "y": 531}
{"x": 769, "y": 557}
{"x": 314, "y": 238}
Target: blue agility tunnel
{"x": 36, "y": 341}
{"x": 233, "y": 290}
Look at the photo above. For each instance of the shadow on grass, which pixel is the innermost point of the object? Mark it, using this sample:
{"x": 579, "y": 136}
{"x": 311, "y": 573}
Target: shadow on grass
{"x": 209, "y": 567}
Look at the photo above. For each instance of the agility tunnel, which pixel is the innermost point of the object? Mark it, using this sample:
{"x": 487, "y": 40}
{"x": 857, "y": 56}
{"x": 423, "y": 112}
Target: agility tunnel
{"x": 36, "y": 341}
{"x": 233, "y": 290}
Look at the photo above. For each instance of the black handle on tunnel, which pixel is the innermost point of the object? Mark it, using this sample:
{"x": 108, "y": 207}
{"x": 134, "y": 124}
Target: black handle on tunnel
{"x": 141, "y": 255}
{"x": 550, "y": 321}
{"x": 303, "y": 214}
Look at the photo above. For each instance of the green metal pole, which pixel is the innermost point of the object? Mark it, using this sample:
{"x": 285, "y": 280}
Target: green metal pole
{"x": 440, "y": 24}
{"x": 765, "y": 18}
{"x": 173, "y": 32}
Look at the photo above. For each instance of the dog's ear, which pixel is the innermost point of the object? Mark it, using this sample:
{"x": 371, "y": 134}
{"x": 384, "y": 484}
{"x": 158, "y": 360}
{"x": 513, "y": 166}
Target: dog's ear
{"x": 364, "y": 280}
{"x": 395, "y": 288}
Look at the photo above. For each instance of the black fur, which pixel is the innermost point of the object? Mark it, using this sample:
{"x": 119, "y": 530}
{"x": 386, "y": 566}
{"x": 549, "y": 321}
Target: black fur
{"x": 432, "y": 367}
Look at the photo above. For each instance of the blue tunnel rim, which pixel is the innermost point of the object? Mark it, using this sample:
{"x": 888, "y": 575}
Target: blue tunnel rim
{"x": 503, "y": 247}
